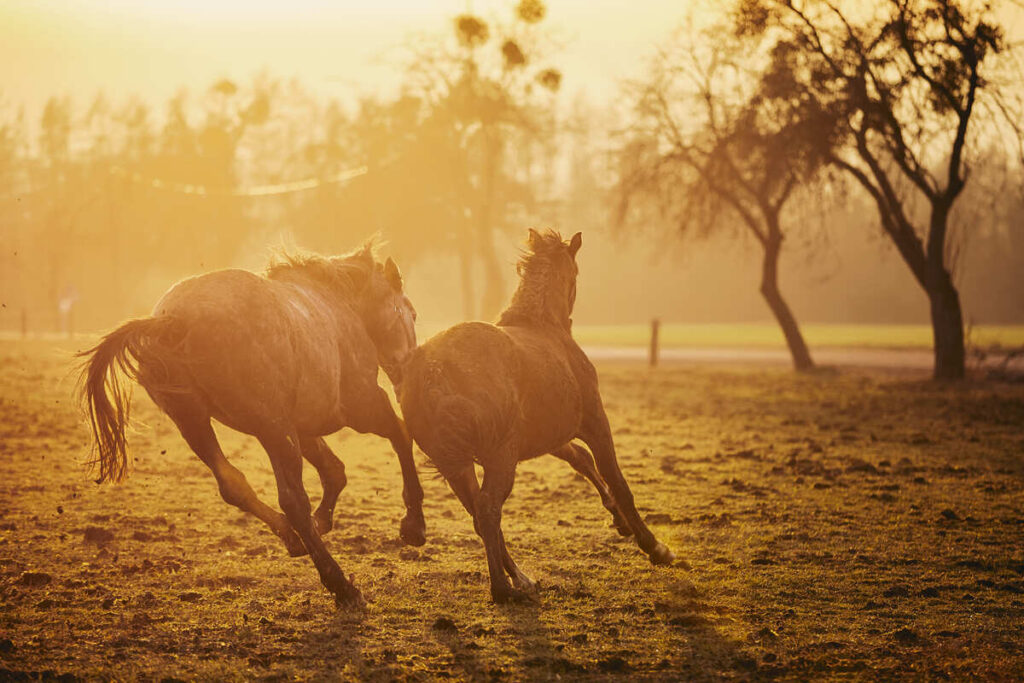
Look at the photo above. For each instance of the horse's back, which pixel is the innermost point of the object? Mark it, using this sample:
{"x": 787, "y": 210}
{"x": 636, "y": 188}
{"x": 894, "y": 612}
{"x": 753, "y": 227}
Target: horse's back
{"x": 220, "y": 307}
{"x": 475, "y": 388}
{"x": 549, "y": 389}
{"x": 256, "y": 350}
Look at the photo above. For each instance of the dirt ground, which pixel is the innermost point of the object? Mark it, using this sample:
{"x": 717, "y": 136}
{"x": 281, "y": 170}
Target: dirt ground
{"x": 840, "y": 525}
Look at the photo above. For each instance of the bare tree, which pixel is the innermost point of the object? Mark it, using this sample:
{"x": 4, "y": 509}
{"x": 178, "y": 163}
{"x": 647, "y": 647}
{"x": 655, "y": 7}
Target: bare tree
{"x": 899, "y": 84}
{"x": 490, "y": 94}
{"x": 705, "y": 140}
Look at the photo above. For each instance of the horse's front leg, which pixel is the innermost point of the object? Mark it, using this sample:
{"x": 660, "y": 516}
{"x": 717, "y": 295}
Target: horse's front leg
{"x": 286, "y": 459}
{"x": 332, "y": 479}
{"x": 597, "y": 434}
{"x": 378, "y": 417}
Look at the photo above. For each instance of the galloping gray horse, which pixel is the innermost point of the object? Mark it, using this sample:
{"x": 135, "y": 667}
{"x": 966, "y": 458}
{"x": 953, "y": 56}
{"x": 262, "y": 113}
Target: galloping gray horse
{"x": 288, "y": 358}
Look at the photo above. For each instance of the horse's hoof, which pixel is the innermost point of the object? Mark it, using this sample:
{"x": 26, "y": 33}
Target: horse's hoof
{"x": 413, "y": 531}
{"x": 661, "y": 555}
{"x": 513, "y": 596}
{"x": 350, "y": 599}
{"x": 346, "y": 595}
{"x": 523, "y": 583}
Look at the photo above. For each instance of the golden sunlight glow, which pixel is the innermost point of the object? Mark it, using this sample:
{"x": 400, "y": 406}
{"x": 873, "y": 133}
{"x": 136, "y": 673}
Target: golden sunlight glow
{"x": 349, "y": 51}
{"x": 342, "y": 49}
{"x": 327, "y": 324}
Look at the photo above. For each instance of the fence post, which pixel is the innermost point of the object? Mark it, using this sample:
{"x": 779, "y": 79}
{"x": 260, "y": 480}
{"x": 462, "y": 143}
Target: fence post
{"x": 653, "y": 358}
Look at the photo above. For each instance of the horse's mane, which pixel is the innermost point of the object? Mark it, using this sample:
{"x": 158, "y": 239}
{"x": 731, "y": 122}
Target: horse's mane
{"x": 345, "y": 274}
{"x": 538, "y": 267}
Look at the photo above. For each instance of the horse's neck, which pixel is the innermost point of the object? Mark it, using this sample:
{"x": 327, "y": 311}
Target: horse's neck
{"x": 530, "y": 305}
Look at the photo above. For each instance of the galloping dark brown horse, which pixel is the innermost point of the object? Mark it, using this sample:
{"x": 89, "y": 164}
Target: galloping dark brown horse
{"x": 288, "y": 358}
{"x": 499, "y": 394}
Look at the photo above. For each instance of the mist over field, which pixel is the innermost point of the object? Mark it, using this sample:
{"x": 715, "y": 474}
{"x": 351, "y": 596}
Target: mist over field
{"x": 111, "y": 110}
{"x": 511, "y": 340}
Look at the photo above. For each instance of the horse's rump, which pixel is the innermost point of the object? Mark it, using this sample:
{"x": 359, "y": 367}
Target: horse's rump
{"x": 260, "y": 349}
{"x": 461, "y": 400}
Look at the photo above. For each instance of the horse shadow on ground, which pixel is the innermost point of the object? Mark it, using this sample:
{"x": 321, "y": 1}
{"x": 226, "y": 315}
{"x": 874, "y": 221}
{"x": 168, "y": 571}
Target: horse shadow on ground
{"x": 335, "y": 644}
{"x": 693, "y": 648}
{"x": 530, "y": 633}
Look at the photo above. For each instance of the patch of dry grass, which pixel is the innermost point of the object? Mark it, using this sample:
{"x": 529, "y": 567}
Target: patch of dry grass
{"x": 833, "y": 525}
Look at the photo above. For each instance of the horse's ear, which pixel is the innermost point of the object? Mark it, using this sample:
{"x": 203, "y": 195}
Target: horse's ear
{"x": 575, "y": 243}
{"x": 532, "y": 237}
{"x": 393, "y": 275}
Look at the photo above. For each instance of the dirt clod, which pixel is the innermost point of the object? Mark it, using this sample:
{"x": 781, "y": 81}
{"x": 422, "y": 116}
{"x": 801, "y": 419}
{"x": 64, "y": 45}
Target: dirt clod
{"x": 906, "y": 636}
{"x": 444, "y": 624}
{"x": 98, "y": 535}
{"x": 34, "y": 579}
{"x": 613, "y": 664}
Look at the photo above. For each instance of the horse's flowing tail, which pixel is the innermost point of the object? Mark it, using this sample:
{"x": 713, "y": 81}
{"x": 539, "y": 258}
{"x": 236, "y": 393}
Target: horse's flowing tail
{"x": 107, "y": 397}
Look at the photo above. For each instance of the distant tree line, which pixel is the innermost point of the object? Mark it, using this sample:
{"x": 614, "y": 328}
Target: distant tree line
{"x": 93, "y": 200}
{"x": 761, "y": 127}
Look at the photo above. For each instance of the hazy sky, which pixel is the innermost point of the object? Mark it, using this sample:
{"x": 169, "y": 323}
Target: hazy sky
{"x": 348, "y": 48}
{"x": 340, "y": 48}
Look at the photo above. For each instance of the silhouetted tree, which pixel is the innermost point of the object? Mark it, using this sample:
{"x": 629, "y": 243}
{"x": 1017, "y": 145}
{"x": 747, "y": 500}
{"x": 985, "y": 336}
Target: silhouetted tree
{"x": 13, "y": 183}
{"x": 59, "y": 194}
{"x": 486, "y": 90}
{"x": 900, "y": 84}
{"x": 198, "y": 148}
{"x": 416, "y": 186}
{"x": 703, "y": 141}
{"x": 990, "y": 264}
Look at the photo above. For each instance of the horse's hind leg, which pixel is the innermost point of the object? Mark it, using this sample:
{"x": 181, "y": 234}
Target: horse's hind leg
{"x": 499, "y": 476}
{"x": 597, "y": 434}
{"x": 286, "y": 459}
{"x": 194, "y": 425}
{"x": 378, "y": 417}
{"x": 583, "y": 462}
{"x": 466, "y": 488}
{"x": 332, "y": 477}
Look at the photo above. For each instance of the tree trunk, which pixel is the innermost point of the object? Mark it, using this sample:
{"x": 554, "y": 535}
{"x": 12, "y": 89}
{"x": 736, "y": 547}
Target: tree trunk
{"x": 947, "y": 325}
{"x": 466, "y": 275}
{"x": 770, "y": 291}
{"x": 493, "y": 296}
{"x": 947, "y": 319}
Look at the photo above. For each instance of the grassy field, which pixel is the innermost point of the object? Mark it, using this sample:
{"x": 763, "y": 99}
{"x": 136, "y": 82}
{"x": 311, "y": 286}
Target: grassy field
{"x": 828, "y": 526}
{"x": 769, "y": 335}
{"x": 766, "y": 335}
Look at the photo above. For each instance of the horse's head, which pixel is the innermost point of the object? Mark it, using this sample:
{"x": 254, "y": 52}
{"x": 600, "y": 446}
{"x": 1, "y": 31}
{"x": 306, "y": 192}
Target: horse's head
{"x": 389, "y": 318}
{"x": 547, "y": 274}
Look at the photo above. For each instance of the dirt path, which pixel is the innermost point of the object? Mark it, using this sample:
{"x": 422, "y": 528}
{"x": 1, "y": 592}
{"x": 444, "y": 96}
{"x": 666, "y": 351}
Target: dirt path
{"x": 838, "y": 525}
{"x": 922, "y": 360}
